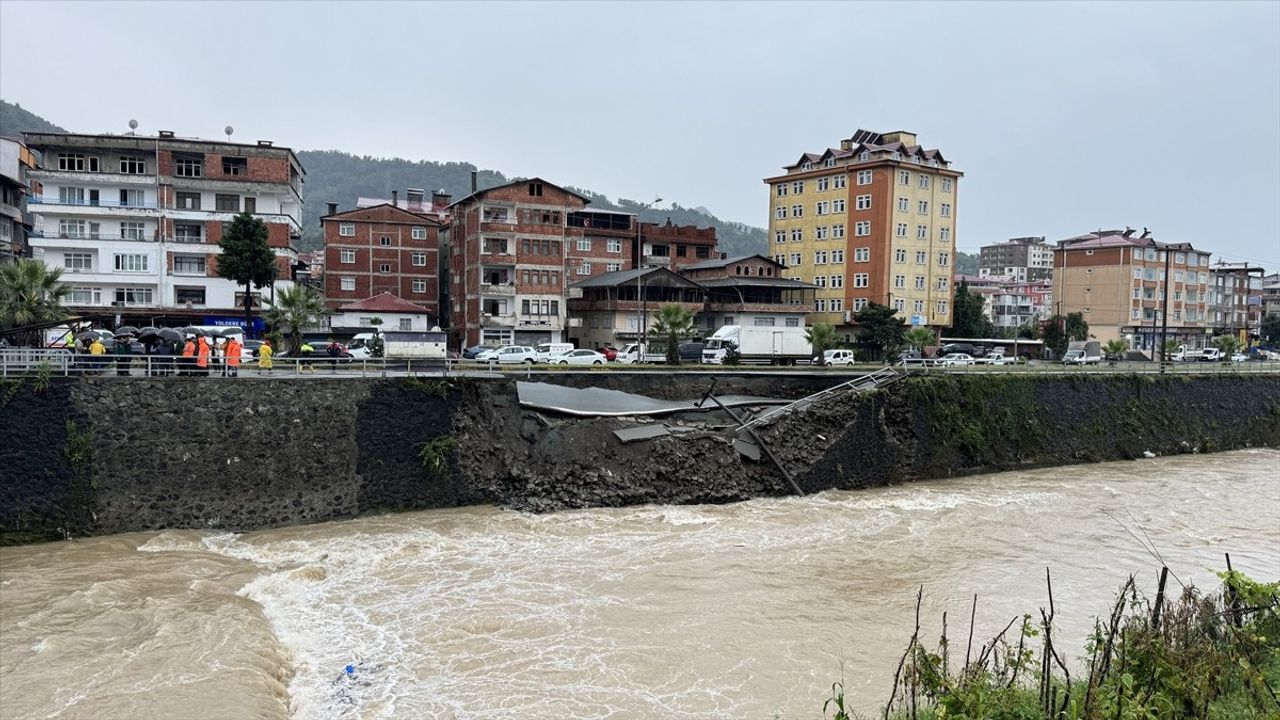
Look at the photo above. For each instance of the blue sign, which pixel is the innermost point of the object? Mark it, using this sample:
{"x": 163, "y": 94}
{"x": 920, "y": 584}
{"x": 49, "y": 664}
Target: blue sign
{"x": 259, "y": 325}
{"x": 917, "y": 320}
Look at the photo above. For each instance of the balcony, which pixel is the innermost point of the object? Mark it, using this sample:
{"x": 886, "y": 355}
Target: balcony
{"x": 51, "y": 200}
{"x": 150, "y": 236}
{"x": 500, "y": 320}
{"x": 504, "y": 289}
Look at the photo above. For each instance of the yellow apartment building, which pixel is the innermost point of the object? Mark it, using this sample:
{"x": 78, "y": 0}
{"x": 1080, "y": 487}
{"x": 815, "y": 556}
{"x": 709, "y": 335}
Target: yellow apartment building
{"x": 872, "y": 221}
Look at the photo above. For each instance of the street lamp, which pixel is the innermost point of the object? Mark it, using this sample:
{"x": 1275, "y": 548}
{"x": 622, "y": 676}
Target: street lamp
{"x": 642, "y": 308}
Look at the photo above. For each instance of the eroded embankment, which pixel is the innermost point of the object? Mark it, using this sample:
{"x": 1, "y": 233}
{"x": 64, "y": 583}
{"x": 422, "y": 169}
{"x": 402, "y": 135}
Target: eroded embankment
{"x": 99, "y": 456}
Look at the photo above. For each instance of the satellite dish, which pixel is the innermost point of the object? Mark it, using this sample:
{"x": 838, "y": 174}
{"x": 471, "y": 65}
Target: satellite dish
{"x": 133, "y": 125}
{"x": 228, "y": 130}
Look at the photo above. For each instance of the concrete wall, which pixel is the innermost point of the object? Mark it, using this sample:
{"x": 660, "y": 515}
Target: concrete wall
{"x": 101, "y": 456}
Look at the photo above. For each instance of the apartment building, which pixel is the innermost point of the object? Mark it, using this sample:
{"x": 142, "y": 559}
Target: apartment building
{"x": 15, "y": 160}
{"x": 1271, "y": 295}
{"x": 1236, "y": 299}
{"x": 1021, "y": 303}
{"x": 381, "y": 249}
{"x": 1025, "y": 259}
{"x": 609, "y": 241}
{"x": 1119, "y": 283}
{"x": 135, "y": 221}
{"x": 871, "y": 221}
{"x": 749, "y": 290}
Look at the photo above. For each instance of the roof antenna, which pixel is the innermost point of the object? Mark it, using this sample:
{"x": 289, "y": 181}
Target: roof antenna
{"x": 228, "y": 130}
{"x": 133, "y": 125}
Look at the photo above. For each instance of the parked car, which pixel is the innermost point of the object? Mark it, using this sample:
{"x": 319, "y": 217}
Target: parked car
{"x": 839, "y": 357}
{"x": 996, "y": 357}
{"x": 957, "y": 348}
{"x": 956, "y": 359}
{"x": 691, "y": 352}
{"x": 475, "y": 351}
{"x": 249, "y": 350}
{"x": 1238, "y": 357}
{"x": 579, "y": 357}
{"x": 546, "y": 351}
{"x": 609, "y": 352}
{"x": 1211, "y": 355}
{"x": 510, "y": 355}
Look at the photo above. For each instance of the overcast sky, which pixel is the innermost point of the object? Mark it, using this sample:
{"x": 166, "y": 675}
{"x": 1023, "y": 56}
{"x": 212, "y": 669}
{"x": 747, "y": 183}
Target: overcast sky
{"x": 1063, "y": 117}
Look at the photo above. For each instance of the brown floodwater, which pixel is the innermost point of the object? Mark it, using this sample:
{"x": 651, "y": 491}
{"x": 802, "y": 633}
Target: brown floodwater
{"x": 748, "y": 610}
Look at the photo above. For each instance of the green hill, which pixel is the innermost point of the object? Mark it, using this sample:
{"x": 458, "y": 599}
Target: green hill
{"x": 14, "y": 120}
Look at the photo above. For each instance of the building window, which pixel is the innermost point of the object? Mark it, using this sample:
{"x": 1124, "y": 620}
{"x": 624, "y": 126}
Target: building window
{"x": 346, "y": 256}
{"x": 901, "y": 230}
{"x": 780, "y": 236}
{"x": 71, "y": 195}
{"x": 797, "y": 210}
{"x": 131, "y": 262}
{"x": 837, "y": 256}
{"x": 384, "y": 268}
{"x": 227, "y": 203}
{"x": 131, "y": 198}
{"x": 824, "y": 183}
{"x": 418, "y": 258}
{"x": 614, "y": 246}
{"x": 862, "y": 254}
{"x": 792, "y": 322}
{"x": 919, "y": 282}
{"x": 861, "y": 280}
{"x": 72, "y": 162}
{"x": 946, "y": 184}
{"x": 946, "y": 210}
{"x": 924, "y": 182}
{"x": 859, "y": 304}
{"x": 864, "y": 177}
{"x": 235, "y": 166}
{"x": 944, "y": 259}
{"x": 419, "y": 286}
{"x": 900, "y": 305}
{"x": 797, "y": 187}
{"x": 584, "y": 268}
{"x": 348, "y": 284}
{"x": 837, "y": 281}
{"x": 862, "y": 228}
{"x": 780, "y": 259}
{"x": 900, "y": 255}
{"x": 922, "y": 207}
{"x": 941, "y": 285}
{"x": 418, "y": 233}
{"x": 820, "y": 257}
{"x": 188, "y": 265}
{"x": 385, "y": 241}
{"x": 820, "y": 233}
{"x": 612, "y": 267}
{"x": 182, "y": 296}
{"x": 837, "y": 305}
{"x": 837, "y": 206}
{"x": 780, "y": 212}
{"x": 922, "y": 232}
{"x": 781, "y": 189}
{"x": 795, "y": 259}
{"x": 133, "y": 166}
{"x": 584, "y": 244}
{"x": 820, "y": 280}
{"x": 820, "y": 305}
{"x": 840, "y": 180}
{"x": 188, "y": 201}
{"x": 69, "y": 228}
{"x": 942, "y": 307}
{"x": 944, "y": 234}
{"x": 921, "y": 257}
{"x": 863, "y": 202}
{"x": 837, "y": 231}
{"x": 821, "y": 206}
{"x": 797, "y": 235}
{"x": 85, "y": 296}
{"x": 133, "y": 296}
{"x": 903, "y": 204}
{"x": 899, "y": 281}
{"x": 188, "y": 232}
{"x": 78, "y": 262}
{"x": 188, "y": 167}
{"x": 904, "y": 177}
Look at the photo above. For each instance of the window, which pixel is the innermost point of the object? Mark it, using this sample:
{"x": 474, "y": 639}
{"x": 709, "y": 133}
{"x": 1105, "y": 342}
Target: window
{"x": 919, "y": 282}
{"x": 188, "y": 265}
{"x": 862, "y": 254}
{"x": 780, "y": 212}
{"x": 922, "y": 232}
{"x": 829, "y": 162}
{"x": 133, "y": 231}
{"x": 133, "y": 166}
{"x": 70, "y": 228}
{"x": 188, "y": 232}
{"x": 347, "y": 229}
{"x": 419, "y": 286}
{"x": 820, "y": 305}
{"x": 837, "y": 256}
{"x": 348, "y": 284}
{"x": 922, "y": 207}
{"x": 864, "y": 177}
{"x": 944, "y": 259}
{"x": 820, "y": 257}
{"x": 584, "y": 268}
{"x": 900, "y": 255}
{"x": 71, "y": 195}
{"x": 1150, "y": 254}
{"x": 384, "y": 268}
{"x": 797, "y": 210}
{"x": 131, "y": 262}
{"x": 418, "y": 258}
{"x": 418, "y": 233}
{"x": 944, "y": 234}
{"x": 903, "y": 204}
{"x": 189, "y": 201}
{"x": 820, "y": 280}
{"x": 837, "y": 206}
{"x": 837, "y": 231}
{"x": 922, "y": 257}
{"x": 235, "y": 166}
{"x": 899, "y": 281}
{"x": 792, "y": 322}
{"x": 946, "y": 185}
{"x": 584, "y": 244}
{"x": 837, "y": 281}
{"x": 820, "y": 232}
{"x": 72, "y": 162}
{"x": 614, "y": 246}
{"x": 188, "y": 166}
{"x": 919, "y": 306}
{"x": 780, "y": 236}
{"x": 132, "y": 198}
{"x": 78, "y": 262}
{"x": 182, "y": 296}
{"x": 821, "y": 207}
{"x": 904, "y": 177}
{"x": 780, "y": 259}
{"x": 797, "y": 187}
{"x": 862, "y": 228}
{"x": 612, "y": 267}
{"x": 942, "y": 307}
{"x": 1177, "y": 276}
{"x": 795, "y": 259}
{"x": 85, "y": 296}
{"x": 924, "y": 182}
{"x": 901, "y": 230}
{"x": 946, "y": 210}
{"x": 133, "y": 296}
{"x": 1135, "y": 313}
{"x": 824, "y": 183}
{"x": 535, "y": 189}
{"x": 797, "y": 235}
{"x": 385, "y": 241}
{"x": 781, "y": 189}
{"x": 863, "y": 202}
{"x": 859, "y": 304}
{"x": 406, "y": 324}
{"x": 861, "y": 280}
{"x": 227, "y": 203}
{"x": 346, "y": 256}
{"x": 839, "y": 181}
{"x": 900, "y": 305}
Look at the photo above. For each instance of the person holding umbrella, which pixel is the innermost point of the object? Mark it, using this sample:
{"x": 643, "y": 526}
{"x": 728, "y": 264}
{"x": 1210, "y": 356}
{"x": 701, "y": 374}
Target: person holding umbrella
{"x": 203, "y": 350}
{"x": 264, "y": 356}
{"x": 188, "y": 356}
{"x": 233, "y": 350}
{"x": 99, "y": 352}
{"x": 123, "y": 351}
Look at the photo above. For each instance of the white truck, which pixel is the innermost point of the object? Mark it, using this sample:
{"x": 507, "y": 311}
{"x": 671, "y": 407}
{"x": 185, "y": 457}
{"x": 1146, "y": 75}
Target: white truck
{"x": 415, "y": 345}
{"x": 1082, "y": 352}
{"x": 771, "y": 345}
{"x": 632, "y": 354}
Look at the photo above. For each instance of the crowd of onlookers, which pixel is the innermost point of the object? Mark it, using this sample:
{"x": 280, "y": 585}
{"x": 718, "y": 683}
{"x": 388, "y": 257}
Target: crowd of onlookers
{"x": 167, "y": 354}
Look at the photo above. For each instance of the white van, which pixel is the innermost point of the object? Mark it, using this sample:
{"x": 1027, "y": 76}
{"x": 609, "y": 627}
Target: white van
{"x": 359, "y": 346}
{"x": 546, "y": 351}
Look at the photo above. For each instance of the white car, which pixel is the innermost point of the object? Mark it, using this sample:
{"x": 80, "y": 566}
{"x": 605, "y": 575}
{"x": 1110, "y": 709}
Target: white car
{"x": 993, "y": 359}
{"x": 1238, "y": 357}
{"x": 955, "y": 359}
{"x": 509, "y": 355}
{"x": 579, "y": 357}
{"x": 838, "y": 357}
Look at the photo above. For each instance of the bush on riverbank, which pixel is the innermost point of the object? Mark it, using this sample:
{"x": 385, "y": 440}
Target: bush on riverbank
{"x": 1210, "y": 656}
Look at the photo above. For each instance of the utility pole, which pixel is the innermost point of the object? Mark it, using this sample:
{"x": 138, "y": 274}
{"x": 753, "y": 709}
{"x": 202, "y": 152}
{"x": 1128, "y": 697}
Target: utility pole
{"x": 642, "y": 308}
{"x": 1164, "y": 310}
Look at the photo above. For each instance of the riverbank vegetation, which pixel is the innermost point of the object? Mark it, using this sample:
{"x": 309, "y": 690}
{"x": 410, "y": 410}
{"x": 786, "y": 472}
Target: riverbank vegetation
{"x": 1184, "y": 654}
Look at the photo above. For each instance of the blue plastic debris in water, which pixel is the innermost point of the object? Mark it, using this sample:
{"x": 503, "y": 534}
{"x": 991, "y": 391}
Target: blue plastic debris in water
{"x": 351, "y": 669}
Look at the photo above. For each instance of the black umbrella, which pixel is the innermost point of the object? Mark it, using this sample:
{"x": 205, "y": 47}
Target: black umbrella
{"x": 169, "y": 334}
{"x": 228, "y": 332}
{"x": 127, "y": 330}
{"x": 148, "y": 333}
{"x": 89, "y": 335}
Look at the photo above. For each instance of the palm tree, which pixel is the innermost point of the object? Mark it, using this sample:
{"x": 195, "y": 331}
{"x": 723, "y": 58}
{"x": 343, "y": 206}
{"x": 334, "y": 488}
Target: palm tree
{"x": 295, "y": 308}
{"x": 1228, "y": 344}
{"x": 1170, "y": 347}
{"x": 822, "y": 337}
{"x": 673, "y": 324}
{"x": 1115, "y": 349}
{"x": 919, "y": 337}
{"x": 30, "y": 293}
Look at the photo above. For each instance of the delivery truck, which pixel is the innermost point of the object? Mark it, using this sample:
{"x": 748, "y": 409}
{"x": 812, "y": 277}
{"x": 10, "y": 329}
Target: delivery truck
{"x": 759, "y": 345}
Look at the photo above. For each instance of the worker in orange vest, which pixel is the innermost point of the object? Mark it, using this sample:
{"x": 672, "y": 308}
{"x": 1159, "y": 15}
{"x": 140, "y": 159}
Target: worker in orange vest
{"x": 188, "y": 356}
{"x": 232, "y": 351}
{"x": 202, "y": 355}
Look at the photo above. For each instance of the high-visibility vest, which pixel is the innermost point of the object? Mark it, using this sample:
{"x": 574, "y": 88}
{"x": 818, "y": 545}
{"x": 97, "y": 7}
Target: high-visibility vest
{"x": 233, "y": 353}
{"x": 202, "y": 353}
{"x": 189, "y": 349}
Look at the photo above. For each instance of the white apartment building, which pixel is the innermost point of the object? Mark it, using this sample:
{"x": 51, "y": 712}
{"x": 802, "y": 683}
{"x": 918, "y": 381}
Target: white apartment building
{"x": 134, "y": 221}
{"x": 1021, "y": 259}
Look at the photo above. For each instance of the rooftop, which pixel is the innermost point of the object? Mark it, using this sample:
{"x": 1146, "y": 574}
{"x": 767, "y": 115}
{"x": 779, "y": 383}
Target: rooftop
{"x": 384, "y": 303}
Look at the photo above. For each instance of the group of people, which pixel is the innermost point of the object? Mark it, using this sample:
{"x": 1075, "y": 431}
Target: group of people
{"x": 193, "y": 355}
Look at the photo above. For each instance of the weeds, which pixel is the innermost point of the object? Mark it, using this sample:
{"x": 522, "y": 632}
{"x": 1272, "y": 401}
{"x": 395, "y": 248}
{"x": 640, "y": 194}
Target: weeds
{"x": 435, "y": 456}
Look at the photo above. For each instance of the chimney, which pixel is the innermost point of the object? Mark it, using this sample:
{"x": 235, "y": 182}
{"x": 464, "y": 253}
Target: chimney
{"x": 1145, "y": 232}
{"x": 414, "y": 198}
{"x": 166, "y": 133}
{"x": 440, "y": 199}
{"x": 1127, "y": 231}
{"x": 395, "y": 198}
{"x": 333, "y": 208}
{"x": 473, "y": 182}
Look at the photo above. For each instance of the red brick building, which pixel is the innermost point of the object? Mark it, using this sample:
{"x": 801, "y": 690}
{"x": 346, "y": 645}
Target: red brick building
{"x": 382, "y": 249}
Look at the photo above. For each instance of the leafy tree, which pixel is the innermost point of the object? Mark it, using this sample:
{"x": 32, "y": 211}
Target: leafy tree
{"x": 1271, "y": 328}
{"x": 1057, "y": 331}
{"x": 879, "y": 328}
{"x": 919, "y": 337}
{"x": 1228, "y": 344}
{"x": 1115, "y": 349}
{"x": 673, "y": 324}
{"x": 246, "y": 258}
{"x": 822, "y": 337}
{"x": 30, "y": 293}
{"x": 969, "y": 320}
{"x": 732, "y": 355}
{"x": 1170, "y": 347}
{"x": 377, "y": 348}
{"x": 1077, "y": 327}
{"x": 295, "y": 308}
